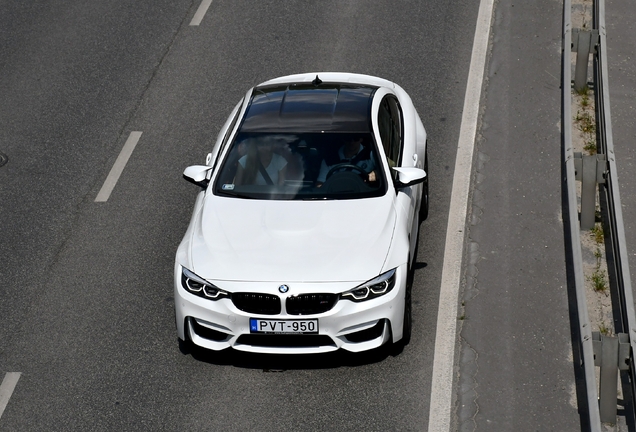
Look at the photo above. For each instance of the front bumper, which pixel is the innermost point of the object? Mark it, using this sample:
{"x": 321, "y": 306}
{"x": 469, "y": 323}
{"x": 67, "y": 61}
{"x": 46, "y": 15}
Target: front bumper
{"x": 351, "y": 326}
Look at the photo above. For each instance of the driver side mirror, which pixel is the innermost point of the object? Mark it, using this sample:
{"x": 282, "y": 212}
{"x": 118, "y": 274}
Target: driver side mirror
{"x": 409, "y": 176}
{"x": 197, "y": 174}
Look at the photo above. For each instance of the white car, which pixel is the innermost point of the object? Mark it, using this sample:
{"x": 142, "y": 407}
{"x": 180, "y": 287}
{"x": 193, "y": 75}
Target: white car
{"x": 304, "y": 233}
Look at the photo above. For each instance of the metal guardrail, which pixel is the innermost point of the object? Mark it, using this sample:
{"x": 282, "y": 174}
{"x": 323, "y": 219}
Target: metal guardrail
{"x": 571, "y": 219}
{"x": 618, "y": 264}
{"x": 618, "y": 267}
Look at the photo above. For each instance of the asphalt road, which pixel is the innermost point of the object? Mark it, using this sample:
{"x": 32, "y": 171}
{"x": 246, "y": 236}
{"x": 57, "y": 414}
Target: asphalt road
{"x": 516, "y": 363}
{"x": 86, "y": 304}
{"x": 86, "y": 288}
{"x": 621, "y": 46}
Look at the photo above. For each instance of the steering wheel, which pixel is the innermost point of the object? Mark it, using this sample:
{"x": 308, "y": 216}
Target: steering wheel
{"x": 346, "y": 166}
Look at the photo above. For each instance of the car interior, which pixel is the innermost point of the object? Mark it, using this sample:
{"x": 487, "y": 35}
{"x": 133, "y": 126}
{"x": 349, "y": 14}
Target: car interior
{"x": 304, "y": 154}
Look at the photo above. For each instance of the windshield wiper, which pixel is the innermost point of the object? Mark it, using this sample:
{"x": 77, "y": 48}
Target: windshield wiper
{"x": 234, "y": 194}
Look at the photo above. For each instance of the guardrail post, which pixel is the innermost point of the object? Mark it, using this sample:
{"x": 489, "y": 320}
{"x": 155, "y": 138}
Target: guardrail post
{"x": 590, "y": 170}
{"x": 611, "y": 353}
{"x": 583, "y": 42}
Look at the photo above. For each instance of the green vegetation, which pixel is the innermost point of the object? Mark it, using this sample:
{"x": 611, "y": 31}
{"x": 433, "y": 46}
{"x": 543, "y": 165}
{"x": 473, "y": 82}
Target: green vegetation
{"x": 585, "y": 101}
{"x": 604, "y": 330}
{"x": 585, "y": 91}
{"x": 597, "y": 233}
{"x": 586, "y": 123}
{"x": 599, "y": 280}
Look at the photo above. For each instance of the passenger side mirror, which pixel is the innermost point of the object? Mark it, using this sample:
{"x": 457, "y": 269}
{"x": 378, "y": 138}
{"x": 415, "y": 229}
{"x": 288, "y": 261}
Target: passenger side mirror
{"x": 409, "y": 176}
{"x": 197, "y": 174}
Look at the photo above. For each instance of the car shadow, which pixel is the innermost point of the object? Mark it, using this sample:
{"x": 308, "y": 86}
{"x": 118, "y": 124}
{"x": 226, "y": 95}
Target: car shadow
{"x": 419, "y": 265}
{"x": 283, "y": 362}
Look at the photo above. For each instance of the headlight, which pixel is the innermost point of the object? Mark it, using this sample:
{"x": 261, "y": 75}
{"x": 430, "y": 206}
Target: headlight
{"x": 200, "y": 287}
{"x": 372, "y": 289}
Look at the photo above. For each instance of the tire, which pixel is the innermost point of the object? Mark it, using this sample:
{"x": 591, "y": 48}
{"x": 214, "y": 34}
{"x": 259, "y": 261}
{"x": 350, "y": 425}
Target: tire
{"x": 407, "y": 322}
{"x": 424, "y": 204}
{"x": 396, "y": 348}
{"x": 185, "y": 346}
{"x": 407, "y": 326}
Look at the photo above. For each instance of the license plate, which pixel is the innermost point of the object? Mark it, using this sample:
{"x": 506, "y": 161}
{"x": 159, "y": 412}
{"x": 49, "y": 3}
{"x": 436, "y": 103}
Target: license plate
{"x": 283, "y": 326}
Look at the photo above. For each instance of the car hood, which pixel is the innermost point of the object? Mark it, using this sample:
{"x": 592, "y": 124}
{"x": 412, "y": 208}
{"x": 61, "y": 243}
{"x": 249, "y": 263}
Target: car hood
{"x": 292, "y": 241}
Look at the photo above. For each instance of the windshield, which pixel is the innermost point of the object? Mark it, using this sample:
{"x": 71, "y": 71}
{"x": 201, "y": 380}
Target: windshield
{"x": 301, "y": 166}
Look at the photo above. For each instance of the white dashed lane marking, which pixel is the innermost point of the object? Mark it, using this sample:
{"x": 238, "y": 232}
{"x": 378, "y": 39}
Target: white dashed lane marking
{"x": 198, "y": 16}
{"x": 6, "y": 389}
{"x": 118, "y": 168}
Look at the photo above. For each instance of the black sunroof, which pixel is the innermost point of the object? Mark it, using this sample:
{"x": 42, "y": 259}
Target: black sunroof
{"x": 309, "y": 108}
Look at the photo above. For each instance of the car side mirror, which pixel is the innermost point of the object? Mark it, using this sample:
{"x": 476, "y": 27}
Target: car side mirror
{"x": 409, "y": 176}
{"x": 197, "y": 174}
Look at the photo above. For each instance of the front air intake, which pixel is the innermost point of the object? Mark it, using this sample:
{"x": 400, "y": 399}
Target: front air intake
{"x": 310, "y": 304}
{"x": 256, "y": 303}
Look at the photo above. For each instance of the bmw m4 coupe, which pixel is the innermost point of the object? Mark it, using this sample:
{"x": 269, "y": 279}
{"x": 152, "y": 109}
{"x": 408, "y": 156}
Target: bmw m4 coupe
{"x": 305, "y": 228}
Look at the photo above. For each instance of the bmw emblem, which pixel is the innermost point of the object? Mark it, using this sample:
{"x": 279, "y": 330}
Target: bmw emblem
{"x": 283, "y": 289}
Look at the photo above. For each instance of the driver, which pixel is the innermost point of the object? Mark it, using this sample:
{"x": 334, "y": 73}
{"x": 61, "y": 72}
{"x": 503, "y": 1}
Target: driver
{"x": 351, "y": 152}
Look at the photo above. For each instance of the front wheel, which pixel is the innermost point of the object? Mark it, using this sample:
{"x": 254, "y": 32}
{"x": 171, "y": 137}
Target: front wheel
{"x": 424, "y": 203}
{"x": 407, "y": 326}
{"x": 396, "y": 348}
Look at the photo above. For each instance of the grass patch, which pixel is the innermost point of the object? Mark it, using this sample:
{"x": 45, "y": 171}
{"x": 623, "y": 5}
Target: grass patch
{"x": 585, "y": 101}
{"x": 599, "y": 281}
{"x": 585, "y": 91}
{"x": 590, "y": 147}
{"x": 604, "y": 330}
{"x": 586, "y": 123}
{"x": 598, "y": 254}
{"x": 597, "y": 233}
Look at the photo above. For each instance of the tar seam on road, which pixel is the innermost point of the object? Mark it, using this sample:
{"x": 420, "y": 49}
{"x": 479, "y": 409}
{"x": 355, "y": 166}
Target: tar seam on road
{"x": 440, "y": 411}
{"x": 198, "y": 16}
{"x": 118, "y": 168}
{"x": 6, "y": 389}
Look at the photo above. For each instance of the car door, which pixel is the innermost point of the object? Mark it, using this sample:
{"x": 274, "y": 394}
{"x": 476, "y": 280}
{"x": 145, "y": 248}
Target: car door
{"x": 391, "y": 129}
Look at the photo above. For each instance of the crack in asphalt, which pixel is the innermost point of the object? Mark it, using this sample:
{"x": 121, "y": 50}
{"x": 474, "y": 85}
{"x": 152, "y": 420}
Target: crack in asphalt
{"x": 67, "y": 231}
{"x": 468, "y": 406}
{"x": 156, "y": 69}
{"x": 123, "y": 132}
{"x": 468, "y": 396}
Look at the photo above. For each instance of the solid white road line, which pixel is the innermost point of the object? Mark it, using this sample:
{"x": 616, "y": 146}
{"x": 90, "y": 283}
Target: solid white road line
{"x": 6, "y": 389}
{"x": 118, "y": 168}
{"x": 200, "y": 13}
{"x": 439, "y": 419}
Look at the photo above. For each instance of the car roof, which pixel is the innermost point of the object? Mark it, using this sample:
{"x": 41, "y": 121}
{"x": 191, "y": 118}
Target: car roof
{"x": 309, "y": 107}
{"x": 334, "y": 77}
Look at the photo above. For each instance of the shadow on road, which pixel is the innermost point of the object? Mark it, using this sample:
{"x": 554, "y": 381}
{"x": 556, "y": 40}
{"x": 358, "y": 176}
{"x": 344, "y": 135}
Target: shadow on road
{"x": 280, "y": 363}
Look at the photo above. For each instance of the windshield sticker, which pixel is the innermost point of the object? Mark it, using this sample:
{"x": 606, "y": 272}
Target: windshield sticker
{"x": 227, "y": 187}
